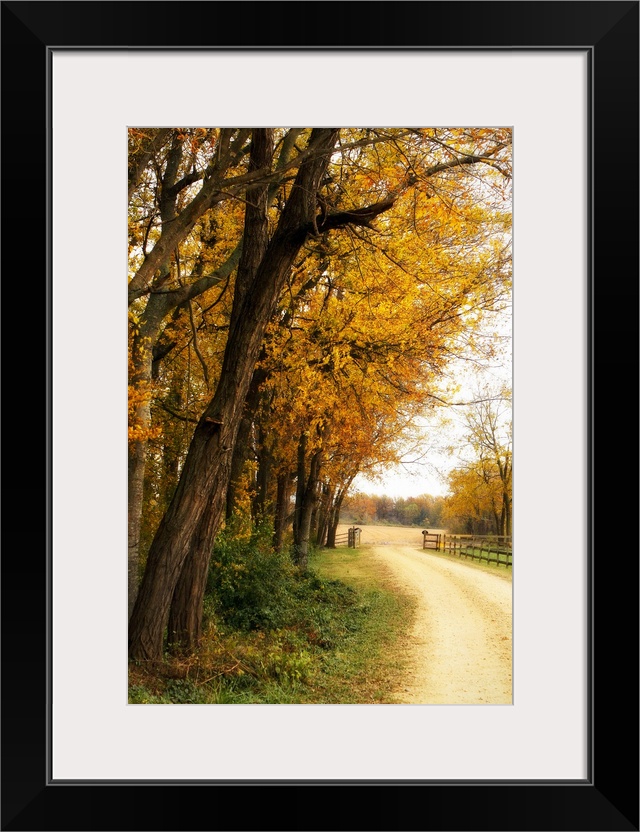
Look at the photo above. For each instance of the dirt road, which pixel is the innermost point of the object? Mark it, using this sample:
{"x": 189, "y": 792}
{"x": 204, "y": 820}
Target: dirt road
{"x": 459, "y": 647}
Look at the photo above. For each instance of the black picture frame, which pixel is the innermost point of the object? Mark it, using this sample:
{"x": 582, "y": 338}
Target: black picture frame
{"x": 608, "y": 798}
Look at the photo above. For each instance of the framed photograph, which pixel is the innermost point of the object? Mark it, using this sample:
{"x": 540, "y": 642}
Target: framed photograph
{"x": 563, "y": 77}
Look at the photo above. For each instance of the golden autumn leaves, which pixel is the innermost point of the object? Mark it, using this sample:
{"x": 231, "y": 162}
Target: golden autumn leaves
{"x": 368, "y": 319}
{"x": 369, "y": 314}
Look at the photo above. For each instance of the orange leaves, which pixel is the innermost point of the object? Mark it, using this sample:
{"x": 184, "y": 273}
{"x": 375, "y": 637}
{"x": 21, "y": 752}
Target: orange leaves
{"x": 371, "y": 316}
{"x": 139, "y": 399}
{"x": 193, "y": 138}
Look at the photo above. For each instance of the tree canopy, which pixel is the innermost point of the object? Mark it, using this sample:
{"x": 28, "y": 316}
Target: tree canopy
{"x": 296, "y": 297}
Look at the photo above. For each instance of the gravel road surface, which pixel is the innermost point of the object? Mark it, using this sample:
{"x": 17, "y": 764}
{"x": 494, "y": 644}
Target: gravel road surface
{"x": 459, "y": 646}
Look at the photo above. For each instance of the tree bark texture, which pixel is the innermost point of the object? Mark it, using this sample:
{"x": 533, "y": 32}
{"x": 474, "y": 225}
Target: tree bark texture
{"x": 185, "y": 614}
{"x": 243, "y": 439}
{"x": 324, "y": 509}
{"x": 262, "y": 502}
{"x": 283, "y": 497}
{"x": 306, "y": 496}
{"x": 179, "y": 556}
{"x": 334, "y": 514}
{"x": 141, "y": 377}
{"x": 135, "y": 486}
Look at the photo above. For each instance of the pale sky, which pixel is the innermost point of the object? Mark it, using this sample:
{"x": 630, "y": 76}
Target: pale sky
{"x": 406, "y": 482}
{"x": 428, "y": 476}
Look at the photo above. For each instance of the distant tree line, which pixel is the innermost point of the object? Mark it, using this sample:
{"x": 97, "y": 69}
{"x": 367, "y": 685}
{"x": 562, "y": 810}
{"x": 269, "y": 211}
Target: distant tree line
{"x": 424, "y": 510}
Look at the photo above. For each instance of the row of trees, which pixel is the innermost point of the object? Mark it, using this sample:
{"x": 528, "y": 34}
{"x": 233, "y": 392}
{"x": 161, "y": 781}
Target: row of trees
{"x": 295, "y": 299}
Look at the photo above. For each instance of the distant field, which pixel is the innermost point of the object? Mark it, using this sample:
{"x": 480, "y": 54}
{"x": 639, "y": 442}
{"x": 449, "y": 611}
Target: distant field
{"x": 405, "y": 535}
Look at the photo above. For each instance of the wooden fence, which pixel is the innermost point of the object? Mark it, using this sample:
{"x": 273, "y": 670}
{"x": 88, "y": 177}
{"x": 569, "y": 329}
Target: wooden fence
{"x": 351, "y": 537}
{"x": 431, "y": 540}
{"x": 488, "y": 547}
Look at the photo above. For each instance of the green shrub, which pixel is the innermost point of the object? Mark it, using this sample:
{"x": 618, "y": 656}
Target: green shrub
{"x": 183, "y": 692}
{"x": 249, "y": 584}
{"x": 139, "y": 695}
{"x": 293, "y": 668}
{"x": 251, "y": 587}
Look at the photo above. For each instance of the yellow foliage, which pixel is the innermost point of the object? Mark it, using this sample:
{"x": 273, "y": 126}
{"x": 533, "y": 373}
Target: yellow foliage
{"x": 371, "y": 317}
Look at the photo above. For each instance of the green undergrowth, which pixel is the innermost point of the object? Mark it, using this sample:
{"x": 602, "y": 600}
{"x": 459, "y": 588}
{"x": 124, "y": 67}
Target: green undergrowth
{"x": 274, "y": 635}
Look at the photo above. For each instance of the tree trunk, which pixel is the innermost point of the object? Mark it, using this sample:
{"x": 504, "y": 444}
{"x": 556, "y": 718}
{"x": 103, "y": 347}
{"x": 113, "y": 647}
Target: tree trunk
{"x": 302, "y": 533}
{"x": 180, "y": 552}
{"x": 135, "y": 487}
{"x": 240, "y": 456}
{"x": 332, "y": 530}
{"x": 182, "y": 531}
{"x": 243, "y": 440}
{"x": 506, "y": 502}
{"x": 185, "y": 613}
{"x": 256, "y": 232}
{"x": 334, "y": 519}
{"x": 141, "y": 377}
{"x": 301, "y": 481}
{"x": 142, "y": 373}
{"x": 306, "y": 495}
{"x": 263, "y": 480}
{"x": 324, "y": 510}
{"x": 283, "y": 496}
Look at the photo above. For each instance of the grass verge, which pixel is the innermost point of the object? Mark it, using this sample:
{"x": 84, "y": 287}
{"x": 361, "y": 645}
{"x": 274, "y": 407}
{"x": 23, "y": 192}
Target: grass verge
{"x": 501, "y": 571}
{"x": 371, "y": 661}
{"x": 333, "y": 637}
